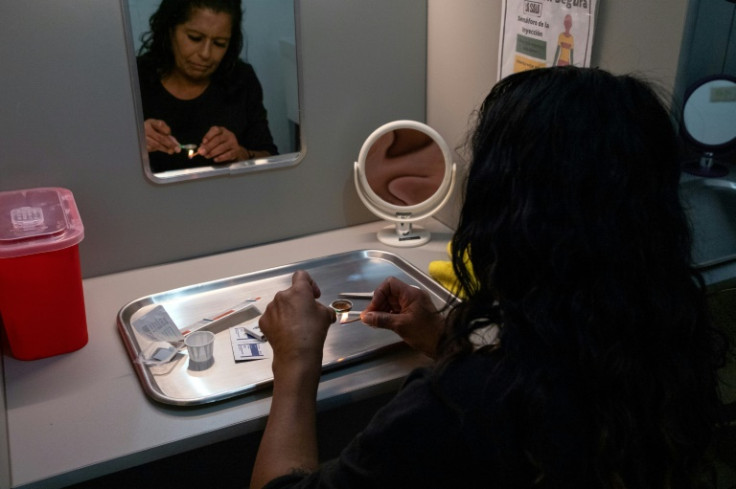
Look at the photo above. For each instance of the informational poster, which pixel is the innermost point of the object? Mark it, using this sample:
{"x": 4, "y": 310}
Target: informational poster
{"x": 543, "y": 33}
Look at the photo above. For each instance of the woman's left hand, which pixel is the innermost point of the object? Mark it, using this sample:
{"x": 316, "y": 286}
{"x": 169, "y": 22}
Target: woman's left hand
{"x": 221, "y": 145}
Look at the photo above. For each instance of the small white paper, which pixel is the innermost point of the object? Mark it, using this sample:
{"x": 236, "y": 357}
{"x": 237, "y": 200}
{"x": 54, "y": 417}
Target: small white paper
{"x": 248, "y": 350}
{"x": 158, "y": 353}
{"x": 239, "y": 333}
{"x": 157, "y": 325}
{"x": 244, "y": 346}
{"x": 254, "y": 329}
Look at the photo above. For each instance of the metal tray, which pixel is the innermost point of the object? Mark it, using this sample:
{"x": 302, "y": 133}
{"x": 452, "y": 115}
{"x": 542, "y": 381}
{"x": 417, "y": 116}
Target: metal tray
{"x": 174, "y": 383}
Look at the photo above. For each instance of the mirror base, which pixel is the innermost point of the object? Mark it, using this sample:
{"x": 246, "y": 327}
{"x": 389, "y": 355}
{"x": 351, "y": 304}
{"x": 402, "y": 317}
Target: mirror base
{"x": 417, "y": 236}
{"x": 711, "y": 170}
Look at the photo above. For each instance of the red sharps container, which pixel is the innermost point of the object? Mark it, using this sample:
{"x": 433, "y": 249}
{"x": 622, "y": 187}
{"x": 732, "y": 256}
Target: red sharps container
{"x": 41, "y": 296}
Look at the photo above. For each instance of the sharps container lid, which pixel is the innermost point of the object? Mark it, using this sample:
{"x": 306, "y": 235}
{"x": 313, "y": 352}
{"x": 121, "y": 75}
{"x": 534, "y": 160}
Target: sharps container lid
{"x": 38, "y": 220}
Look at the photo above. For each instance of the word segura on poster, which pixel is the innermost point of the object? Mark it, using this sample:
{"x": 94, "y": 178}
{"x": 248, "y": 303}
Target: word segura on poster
{"x": 543, "y": 33}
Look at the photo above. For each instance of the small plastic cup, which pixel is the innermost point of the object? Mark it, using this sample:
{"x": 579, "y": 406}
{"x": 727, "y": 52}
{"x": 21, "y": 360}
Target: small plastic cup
{"x": 201, "y": 347}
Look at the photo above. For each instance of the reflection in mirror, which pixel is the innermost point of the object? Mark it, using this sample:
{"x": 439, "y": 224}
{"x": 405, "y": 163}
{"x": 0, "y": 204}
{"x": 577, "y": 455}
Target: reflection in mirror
{"x": 709, "y": 122}
{"x": 405, "y": 167}
{"x": 217, "y": 84}
{"x": 404, "y": 173}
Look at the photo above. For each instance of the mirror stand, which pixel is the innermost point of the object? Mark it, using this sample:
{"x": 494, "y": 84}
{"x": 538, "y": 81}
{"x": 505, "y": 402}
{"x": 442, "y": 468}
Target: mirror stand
{"x": 404, "y": 235}
{"x": 706, "y": 166}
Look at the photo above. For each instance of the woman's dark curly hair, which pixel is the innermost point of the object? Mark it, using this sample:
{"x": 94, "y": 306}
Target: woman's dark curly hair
{"x": 581, "y": 250}
{"x": 156, "y": 43}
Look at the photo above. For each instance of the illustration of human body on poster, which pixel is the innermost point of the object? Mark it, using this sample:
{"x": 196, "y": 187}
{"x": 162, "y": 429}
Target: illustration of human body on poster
{"x": 542, "y": 33}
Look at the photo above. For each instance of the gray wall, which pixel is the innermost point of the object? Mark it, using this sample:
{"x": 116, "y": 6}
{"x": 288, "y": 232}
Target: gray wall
{"x": 67, "y": 119}
{"x": 709, "y": 43}
{"x": 631, "y": 36}
{"x": 66, "y": 116}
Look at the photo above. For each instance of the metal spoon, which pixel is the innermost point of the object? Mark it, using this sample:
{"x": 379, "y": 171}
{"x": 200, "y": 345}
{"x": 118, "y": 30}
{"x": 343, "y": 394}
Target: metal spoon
{"x": 341, "y": 305}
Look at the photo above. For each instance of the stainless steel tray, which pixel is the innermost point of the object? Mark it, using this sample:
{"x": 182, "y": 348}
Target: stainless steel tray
{"x": 174, "y": 383}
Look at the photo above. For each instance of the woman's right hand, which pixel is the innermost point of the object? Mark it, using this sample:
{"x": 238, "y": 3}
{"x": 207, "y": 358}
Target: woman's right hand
{"x": 296, "y": 327}
{"x": 159, "y": 138}
{"x": 409, "y": 312}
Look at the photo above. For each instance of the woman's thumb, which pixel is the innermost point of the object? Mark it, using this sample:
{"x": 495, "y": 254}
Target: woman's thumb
{"x": 376, "y": 319}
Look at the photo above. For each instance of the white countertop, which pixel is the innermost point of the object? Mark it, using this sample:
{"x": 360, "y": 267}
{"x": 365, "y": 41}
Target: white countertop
{"x": 84, "y": 414}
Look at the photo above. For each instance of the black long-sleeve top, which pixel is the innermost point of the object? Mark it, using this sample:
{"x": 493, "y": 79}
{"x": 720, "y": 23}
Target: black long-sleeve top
{"x": 463, "y": 427}
{"x": 236, "y": 105}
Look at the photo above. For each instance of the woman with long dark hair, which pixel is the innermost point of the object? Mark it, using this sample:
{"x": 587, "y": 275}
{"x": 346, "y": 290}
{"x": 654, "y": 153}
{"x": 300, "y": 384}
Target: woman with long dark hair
{"x": 582, "y": 356}
{"x": 196, "y": 92}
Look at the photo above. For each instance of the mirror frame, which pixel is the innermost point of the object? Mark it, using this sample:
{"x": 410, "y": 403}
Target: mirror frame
{"x": 209, "y": 171}
{"x": 689, "y": 97}
{"x": 401, "y": 233}
{"x": 706, "y": 165}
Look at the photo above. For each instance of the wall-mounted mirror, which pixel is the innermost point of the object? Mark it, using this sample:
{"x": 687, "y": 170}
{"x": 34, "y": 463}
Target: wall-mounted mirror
{"x": 709, "y": 122}
{"x": 209, "y": 104}
{"x": 404, "y": 174}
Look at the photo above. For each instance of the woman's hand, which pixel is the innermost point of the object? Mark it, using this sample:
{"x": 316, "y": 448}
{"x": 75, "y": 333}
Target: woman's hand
{"x": 159, "y": 138}
{"x": 296, "y": 326}
{"x": 409, "y": 312}
{"x": 221, "y": 145}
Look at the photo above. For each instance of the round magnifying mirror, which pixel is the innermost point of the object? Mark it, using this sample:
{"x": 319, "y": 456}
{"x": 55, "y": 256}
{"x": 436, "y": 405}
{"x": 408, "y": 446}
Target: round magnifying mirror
{"x": 404, "y": 174}
{"x": 709, "y": 122}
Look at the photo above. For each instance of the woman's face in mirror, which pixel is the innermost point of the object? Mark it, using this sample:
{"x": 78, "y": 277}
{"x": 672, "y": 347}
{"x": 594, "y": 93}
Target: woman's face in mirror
{"x": 200, "y": 43}
{"x": 218, "y": 90}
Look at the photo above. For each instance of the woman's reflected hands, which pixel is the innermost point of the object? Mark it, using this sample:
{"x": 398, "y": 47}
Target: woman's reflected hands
{"x": 409, "y": 312}
{"x": 159, "y": 138}
{"x": 296, "y": 326}
{"x": 221, "y": 145}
